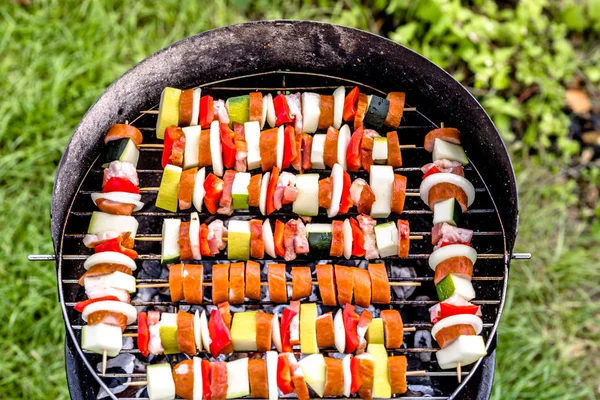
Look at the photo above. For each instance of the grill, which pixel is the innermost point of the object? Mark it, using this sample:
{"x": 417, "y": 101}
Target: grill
{"x": 296, "y": 56}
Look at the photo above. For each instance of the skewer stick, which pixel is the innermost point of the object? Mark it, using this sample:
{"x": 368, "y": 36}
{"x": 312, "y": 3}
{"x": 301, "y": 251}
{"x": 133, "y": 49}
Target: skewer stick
{"x": 104, "y": 356}
{"x": 160, "y": 146}
{"x": 159, "y": 238}
{"x": 458, "y": 372}
{"x": 407, "y": 329}
{"x": 209, "y": 284}
{"x": 136, "y": 383}
{"x": 155, "y": 189}
{"x": 416, "y": 373}
{"x": 409, "y": 109}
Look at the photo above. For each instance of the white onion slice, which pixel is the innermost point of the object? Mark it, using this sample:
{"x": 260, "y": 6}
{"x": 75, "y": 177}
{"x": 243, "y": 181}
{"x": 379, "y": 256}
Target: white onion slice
{"x": 265, "y": 105}
{"x": 339, "y": 332}
{"x": 347, "y": 374}
{"x": 205, "y": 333}
{"x": 268, "y": 238}
{"x": 121, "y": 197}
{"x": 450, "y": 251}
{"x": 109, "y": 257}
{"x": 271, "y": 117}
{"x": 342, "y": 145}
{"x": 347, "y": 230}
{"x": 215, "y": 148}
{"x": 197, "y": 385}
{"x": 280, "y": 146}
{"x": 197, "y": 331}
{"x": 339, "y": 95}
{"x": 198, "y": 194}
{"x": 195, "y": 235}
{"x": 444, "y": 177}
{"x": 271, "y": 357}
{"x": 262, "y": 199}
{"x": 276, "y": 333}
{"x": 196, "y": 106}
{"x": 459, "y": 319}
{"x": 113, "y": 306}
{"x": 337, "y": 175}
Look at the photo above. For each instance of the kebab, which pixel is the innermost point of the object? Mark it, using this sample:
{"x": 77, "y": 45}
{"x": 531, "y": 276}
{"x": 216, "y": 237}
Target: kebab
{"x": 337, "y": 194}
{"x": 457, "y": 322}
{"x": 360, "y": 237}
{"x": 307, "y": 111}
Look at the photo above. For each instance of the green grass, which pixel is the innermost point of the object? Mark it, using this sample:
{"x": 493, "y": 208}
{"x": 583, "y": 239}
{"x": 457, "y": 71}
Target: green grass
{"x": 58, "y": 57}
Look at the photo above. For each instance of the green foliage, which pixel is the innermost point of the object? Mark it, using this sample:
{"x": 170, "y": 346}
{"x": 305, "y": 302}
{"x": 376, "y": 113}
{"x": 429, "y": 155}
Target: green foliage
{"x": 517, "y": 60}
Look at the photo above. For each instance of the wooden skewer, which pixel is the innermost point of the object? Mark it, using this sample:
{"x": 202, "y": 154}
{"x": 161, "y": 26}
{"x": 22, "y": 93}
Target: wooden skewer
{"x": 155, "y": 189}
{"x": 209, "y": 284}
{"x": 459, "y": 372}
{"x": 133, "y": 334}
{"x": 160, "y": 146}
{"x": 136, "y": 383}
{"x": 416, "y": 373}
{"x": 104, "y": 356}
{"x": 159, "y": 238}
{"x": 155, "y": 112}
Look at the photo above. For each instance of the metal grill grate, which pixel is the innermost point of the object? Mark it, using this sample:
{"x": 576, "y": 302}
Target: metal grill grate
{"x": 489, "y": 275}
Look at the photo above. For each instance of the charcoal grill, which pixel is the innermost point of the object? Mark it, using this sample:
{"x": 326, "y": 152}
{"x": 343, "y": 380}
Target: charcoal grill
{"x": 299, "y": 55}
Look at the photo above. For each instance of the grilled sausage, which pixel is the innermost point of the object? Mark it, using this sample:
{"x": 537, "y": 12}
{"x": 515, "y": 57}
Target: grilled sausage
{"x": 193, "y": 279}
{"x": 326, "y": 281}
{"x": 277, "y": 283}
{"x": 334, "y": 377}
{"x": 380, "y": 285}
{"x": 185, "y": 246}
{"x": 461, "y": 265}
{"x": 220, "y": 283}
{"x": 325, "y": 332}
{"x": 396, "y": 109}
{"x": 330, "y": 147}
{"x": 185, "y": 332}
{"x": 326, "y": 108}
{"x": 394, "y": 155}
{"x": 183, "y": 375}
{"x": 253, "y": 280}
{"x": 362, "y": 287}
{"x": 264, "y": 324}
{"x": 393, "y": 328}
{"x": 451, "y": 135}
{"x": 397, "y": 373}
{"x": 301, "y": 282}
{"x": 398, "y": 193}
{"x": 236, "y": 283}
{"x": 344, "y": 279}
{"x": 176, "y": 282}
{"x": 257, "y": 373}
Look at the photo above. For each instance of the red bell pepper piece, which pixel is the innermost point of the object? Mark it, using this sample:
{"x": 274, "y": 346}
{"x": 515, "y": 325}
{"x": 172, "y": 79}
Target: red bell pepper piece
{"x": 284, "y": 374}
{"x": 290, "y": 146}
{"x": 143, "y": 337}
{"x": 80, "y": 306}
{"x": 350, "y": 104}
{"x": 286, "y": 320}
{"x": 213, "y": 189}
{"x": 219, "y": 333}
{"x": 282, "y": 110}
{"x": 271, "y": 190}
{"x": 227, "y": 145}
{"x": 206, "y": 393}
{"x": 447, "y": 310}
{"x": 114, "y": 244}
{"x": 172, "y": 133}
{"x": 120, "y": 185}
{"x": 353, "y": 159}
{"x": 204, "y": 247}
{"x": 278, "y": 238}
{"x": 346, "y": 201}
{"x": 355, "y": 372}
{"x": 358, "y": 239}
{"x": 351, "y": 319}
{"x": 207, "y": 111}
{"x": 432, "y": 170}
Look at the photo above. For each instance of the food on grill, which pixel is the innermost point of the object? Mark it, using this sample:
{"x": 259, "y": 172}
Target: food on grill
{"x": 367, "y": 226}
{"x": 450, "y": 135}
{"x": 380, "y": 150}
{"x": 244, "y": 331}
{"x": 317, "y": 153}
{"x": 453, "y": 305}
{"x": 168, "y": 110}
{"x": 344, "y": 280}
{"x": 398, "y": 194}
{"x": 443, "y": 150}
{"x": 120, "y": 169}
{"x": 107, "y": 319}
{"x": 380, "y": 285}
{"x": 308, "y": 328}
{"x": 466, "y": 349}
{"x": 314, "y": 370}
{"x": 169, "y": 188}
{"x": 117, "y": 203}
{"x": 366, "y": 148}
{"x": 447, "y": 211}
{"x": 393, "y": 328}
{"x": 443, "y": 186}
{"x": 397, "y": 366}
{"x": 307, "y": 186}
{"x": 161, "y": 384}
{"x": 375, "y": 333}
{"x": 124, "y": 150}
{"x": 381, "y": 182}
{"x": 377, "y": 111}
{"x": 277, "y": 283}
{"x": 238, "y": 109}
{"x": 301, "y": 282}
{"x": 456, "y": 259}
{"x": 101, "y": 222}
{"x": 387, "y": 239}
{"x": 381, "y": 379}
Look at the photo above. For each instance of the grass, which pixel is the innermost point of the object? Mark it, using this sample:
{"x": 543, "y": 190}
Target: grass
{"x": 58, "y": 57}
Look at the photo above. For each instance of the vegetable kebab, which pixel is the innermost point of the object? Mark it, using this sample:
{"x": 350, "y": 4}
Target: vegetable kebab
{"x": 370, "y": 375}
{"x": 457, "y": 322}
{"x": 108, "y": 279}
{"x": 300, "y": 327}
{"x": 337, "y": 194}
{"x": 306, "y": 112}
{"x": 354, "y": 237}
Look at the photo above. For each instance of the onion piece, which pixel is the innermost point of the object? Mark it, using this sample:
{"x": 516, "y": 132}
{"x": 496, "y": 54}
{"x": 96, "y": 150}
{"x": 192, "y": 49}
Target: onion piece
{"x": 347, "y": 230}
{"x": 339, "y": 95}
{"x": 215, "y": 148}
{"x": 271, "y": 117}
{"x": 196, "y": 106}
{"x": 262, "y": 200}
{"x": 121, "y": 197}
{"x": 342, "y": 145}
{"x": 195, "y": 235}
{"x": 280, "y": 146}
{"x": 337, "y": 175}
{"x": 444, "y": 177}
{"x": 113, "y": 306}
{"x": 109, "y": 257}
{"x": 268, "y": 238}
{"x": 450, "y": 251}
{"x": 265, "y": 105}
{"x": 459, "y": 319}
{"x": 198, "y": 194}
{"x": 311, "y": 111}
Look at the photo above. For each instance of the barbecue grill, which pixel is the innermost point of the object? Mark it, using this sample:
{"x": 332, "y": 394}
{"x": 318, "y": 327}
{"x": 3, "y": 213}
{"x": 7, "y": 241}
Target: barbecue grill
{"x": 297, "y": 56}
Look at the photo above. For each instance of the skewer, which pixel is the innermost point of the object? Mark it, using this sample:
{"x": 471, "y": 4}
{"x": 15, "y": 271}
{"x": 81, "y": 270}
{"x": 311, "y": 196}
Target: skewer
{"x": 159, "y": 238}
{"x": 134, "y": 334}
{"x": 160, "y": 146}
{"x": 209, "y": 284}
{"x": 155, "y": 112}
{"x": 155, "y": 189}
{"x": 104, "y": 356}
{"x": 458, "y": 372}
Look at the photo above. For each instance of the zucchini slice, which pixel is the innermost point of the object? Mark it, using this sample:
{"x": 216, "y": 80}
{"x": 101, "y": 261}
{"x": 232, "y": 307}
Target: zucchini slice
{"x": 121, "y": 150}
{"x": 168, "y": 110}
{"x": 319, "y": 239}
{"x": 170, "y": 241}
{"x": 307, "y": 200}
{"x": 447, "y": 211}
{"x": 377, "y": 111}
{"x": 104, "y": 222}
